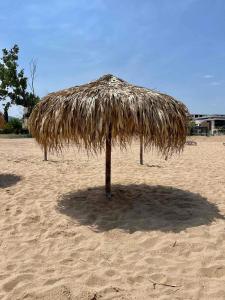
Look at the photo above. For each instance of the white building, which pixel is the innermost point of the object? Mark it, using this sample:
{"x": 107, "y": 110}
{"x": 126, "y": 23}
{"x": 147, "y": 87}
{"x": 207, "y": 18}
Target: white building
{"x": 214, "y": 123}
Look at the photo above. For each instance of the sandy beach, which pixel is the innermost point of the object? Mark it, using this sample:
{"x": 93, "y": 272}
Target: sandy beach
{"x": 162, "y": 236}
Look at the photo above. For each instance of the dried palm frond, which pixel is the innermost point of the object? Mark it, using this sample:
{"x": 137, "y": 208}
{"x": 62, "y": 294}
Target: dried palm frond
{"x": 83, "y": 115}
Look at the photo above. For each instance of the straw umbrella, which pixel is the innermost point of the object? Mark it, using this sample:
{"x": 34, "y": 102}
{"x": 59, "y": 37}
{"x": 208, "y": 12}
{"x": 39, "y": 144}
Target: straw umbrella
{"x": 2, "y": 120}
{"x": 106, "y": 112}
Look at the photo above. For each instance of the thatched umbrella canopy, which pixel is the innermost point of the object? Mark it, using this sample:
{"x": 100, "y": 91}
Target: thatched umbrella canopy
{"x": 106, "y": 112}
{"x": 2, "y": 120}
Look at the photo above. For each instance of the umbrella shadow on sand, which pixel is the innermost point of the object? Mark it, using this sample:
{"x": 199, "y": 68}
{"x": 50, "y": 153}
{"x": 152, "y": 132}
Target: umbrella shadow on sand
{"x": 138, "y": 208}
{"x": 7, "y": 180}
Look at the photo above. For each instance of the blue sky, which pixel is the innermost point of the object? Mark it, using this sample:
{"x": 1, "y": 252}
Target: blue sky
{"x": 175, "y": 46}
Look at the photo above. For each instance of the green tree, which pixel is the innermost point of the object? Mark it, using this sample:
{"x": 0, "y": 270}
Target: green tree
{"x": 13, "y": 126}
{"x": 14, "y": 84}
{"x": 191, "y": 125}
{"x": 8, "y": 76}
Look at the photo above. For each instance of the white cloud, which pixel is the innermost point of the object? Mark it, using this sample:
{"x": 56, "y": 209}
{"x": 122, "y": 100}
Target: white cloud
{"x": 208, "y": 76}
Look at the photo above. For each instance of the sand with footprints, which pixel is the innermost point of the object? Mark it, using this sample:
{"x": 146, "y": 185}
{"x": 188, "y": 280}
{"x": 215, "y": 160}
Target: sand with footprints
{"x": 162, "y": 236}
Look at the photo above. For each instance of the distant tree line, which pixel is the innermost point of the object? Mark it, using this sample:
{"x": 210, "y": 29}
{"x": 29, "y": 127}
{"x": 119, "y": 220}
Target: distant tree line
{"x": 15, "y": 88}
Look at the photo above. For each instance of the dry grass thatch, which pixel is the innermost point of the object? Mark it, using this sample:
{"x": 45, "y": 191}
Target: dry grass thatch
{"x": 2, "y": 121}
{"x": 84, "y": 115}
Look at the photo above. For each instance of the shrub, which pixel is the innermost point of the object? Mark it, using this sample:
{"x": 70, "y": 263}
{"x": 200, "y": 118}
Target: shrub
{"x": 13, "y": 126}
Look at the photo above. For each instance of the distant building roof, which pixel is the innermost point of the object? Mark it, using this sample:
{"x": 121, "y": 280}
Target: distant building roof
{"x": 208, "y": 117}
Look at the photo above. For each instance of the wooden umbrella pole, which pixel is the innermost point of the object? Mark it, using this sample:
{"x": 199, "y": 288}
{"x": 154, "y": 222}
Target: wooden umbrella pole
{"x": 108, "y": 163}
{"x": 141, "y": 149}
{"x": 45, "y": 154}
